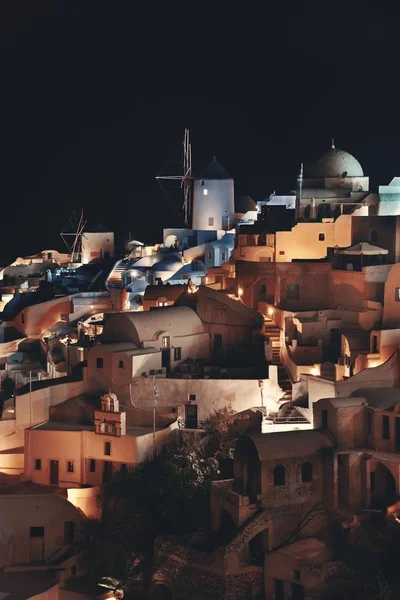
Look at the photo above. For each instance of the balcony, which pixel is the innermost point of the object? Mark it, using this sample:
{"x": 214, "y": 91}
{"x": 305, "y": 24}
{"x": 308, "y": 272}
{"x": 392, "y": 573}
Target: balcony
{"x": 190, "y": 424}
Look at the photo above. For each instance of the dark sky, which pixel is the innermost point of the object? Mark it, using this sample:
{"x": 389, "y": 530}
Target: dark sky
{"x": 95, "y": 96}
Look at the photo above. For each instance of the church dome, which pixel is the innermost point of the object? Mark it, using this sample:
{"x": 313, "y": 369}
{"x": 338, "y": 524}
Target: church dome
{"x": 335, "y": 163}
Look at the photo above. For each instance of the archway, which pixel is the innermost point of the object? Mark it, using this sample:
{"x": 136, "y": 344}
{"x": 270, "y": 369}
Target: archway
{"x": 227, "y": 529}
{"x": 247, "y": 469}
{"x": 161, "y": 592}
{"x": 383, "y": 487}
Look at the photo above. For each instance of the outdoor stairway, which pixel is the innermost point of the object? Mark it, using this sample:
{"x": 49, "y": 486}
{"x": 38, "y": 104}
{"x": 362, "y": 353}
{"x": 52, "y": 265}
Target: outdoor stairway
{"x": 114, "y": 279}
{"x": 284, "y": 383}
{"x": 288, "y": 414}
{"x": 273, "y": 332}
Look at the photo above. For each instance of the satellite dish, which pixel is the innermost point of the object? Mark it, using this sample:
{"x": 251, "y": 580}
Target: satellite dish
{"x": 344, "y": 174}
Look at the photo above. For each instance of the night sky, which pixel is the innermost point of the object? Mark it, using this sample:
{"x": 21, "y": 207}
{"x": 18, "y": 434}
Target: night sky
{"x": 95, "y": 97}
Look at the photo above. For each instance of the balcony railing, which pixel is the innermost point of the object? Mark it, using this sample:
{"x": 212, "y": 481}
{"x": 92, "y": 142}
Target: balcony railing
{"x": 190, "y": 424}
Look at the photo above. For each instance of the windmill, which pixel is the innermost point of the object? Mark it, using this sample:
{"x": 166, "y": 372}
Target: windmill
{"x": 185, "y": 179}
{"x": 74, "y": 231}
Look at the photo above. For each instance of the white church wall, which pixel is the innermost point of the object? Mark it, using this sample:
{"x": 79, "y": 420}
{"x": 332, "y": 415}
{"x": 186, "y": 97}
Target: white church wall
{"x": 97, "y": 245}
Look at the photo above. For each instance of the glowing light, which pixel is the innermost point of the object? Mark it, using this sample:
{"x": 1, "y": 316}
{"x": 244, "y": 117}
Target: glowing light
{"x": 314, "y": 371}
{"x": 205, "y": 192}
{"x": 206, "y": 279}
{"x": 240, "y": 292}
{"x": 270, "y": 311}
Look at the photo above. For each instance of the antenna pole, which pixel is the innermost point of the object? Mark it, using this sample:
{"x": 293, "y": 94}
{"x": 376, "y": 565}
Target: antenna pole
{"x": 299, "y": 195}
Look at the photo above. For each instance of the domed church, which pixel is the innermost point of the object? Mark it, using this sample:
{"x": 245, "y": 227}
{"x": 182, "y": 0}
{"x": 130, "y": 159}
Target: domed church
{"x": 333, "y": 185}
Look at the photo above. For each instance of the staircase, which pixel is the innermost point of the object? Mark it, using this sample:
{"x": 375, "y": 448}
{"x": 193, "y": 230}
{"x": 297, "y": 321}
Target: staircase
{"x": 274, "y": 333}
{"x": 288, "y": 414}
{"x": 114, "y": 280}
{"x": 284, "y": 383}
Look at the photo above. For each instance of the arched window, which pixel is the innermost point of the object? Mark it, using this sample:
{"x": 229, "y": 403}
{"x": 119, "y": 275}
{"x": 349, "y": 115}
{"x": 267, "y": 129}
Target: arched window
{"x": 306, "y": 472}
{"x": 373, "y": 236}
{"x": 279, "y": 475}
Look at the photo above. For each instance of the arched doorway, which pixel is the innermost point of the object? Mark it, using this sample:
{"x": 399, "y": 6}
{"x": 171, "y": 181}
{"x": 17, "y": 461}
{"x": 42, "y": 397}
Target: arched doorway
{"x": 161, "y": 592}
{"x": 247, "y": 469}
{"x": 382, "y": 486}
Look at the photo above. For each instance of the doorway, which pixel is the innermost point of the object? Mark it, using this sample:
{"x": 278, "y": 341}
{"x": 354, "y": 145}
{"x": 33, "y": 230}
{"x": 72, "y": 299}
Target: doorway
{"x": 107, "y": 471}
{"x": 191, "y": 416}
{"x": 166, "y": 353}
{"x": 36, "y": 544}
{"x": 343, "y": 479}
{"x": 54, "y": 472}
{"x": 383, "y": 487}
{"x": 218, "y": 349}
{"x": 397, "y": 422}
{"x": 69, "y": 532}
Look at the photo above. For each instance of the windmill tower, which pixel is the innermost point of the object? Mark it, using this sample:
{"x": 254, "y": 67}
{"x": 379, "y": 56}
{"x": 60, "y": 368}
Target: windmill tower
{"x": 72, "y": 237}
{"x": 185, "y": 179}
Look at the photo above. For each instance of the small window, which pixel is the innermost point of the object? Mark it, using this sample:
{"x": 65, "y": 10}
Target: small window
{"x": 38, "y": 464}
{"x": 205, "y": 192}
{"x": 123, "y": 467}
{"x": 279, "y": 475}
{"x": 107, "y": 448}
{"x": 297, "y": 574}
{"x": 373, "y": 236}
{"x": 36, "y": 532}
{"x": 324, "y": 418}
{"x": 397, "y": 295}
{"x": 292, "y": 292}
{"x": 177, "y": 353}
{"x": 120, "y": 364}
{"x": 209, "y": 256}
{"x": 222, "y": 255}
{"x": 99, "y": 363}
{"x": 210, "y": 221}
{"x": 202, "y": 184}
{"x": 306, "y": 472}
{"x": 70, "y": 466}
{"x": 369, "y": 420}
{"x": 385, "y": 428}
{"x": 92, "y": 465}
{"x": 165, "y": 342}
{"x": 23, "y": 318}
{"x": 263, "y": 289}
{"x": 192, "y": 397}
{"x": 321, "y": 237}
{"x": 281, "y": 252}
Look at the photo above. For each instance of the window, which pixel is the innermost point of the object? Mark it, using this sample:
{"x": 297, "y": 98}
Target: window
{"x": 120, "y": 364}
{"x": 324, "y": 418}
{"x": 369, "y": 421}
{"x": 279, "y": 589}
{"x": 92, "y": 465}
{"x": 222, "y": 255}
{"x": 397, "y": 296}
{"x": 49, "y": 255}
{"x": 297, "y": 574}
{"x": 36, "y": 532}
{"x": 209, "y": 255}
{"x": 165, "y": 342}
{"x": 210, "y": 221}
{"x": 107, "y": 448}
{"x": 281, "y": 252}
{"x": 385, "y": 428}
{"x": 279, "y": 475}
{"x": 38, "y": 464}
{"x": 123, "y": 467}
{"x": 263, "y": 289}
{"x": 70, "y": 466}
{"x": 202, "y": 184}
{"x": 177, "y": 353}
{"x": 99, "y": 363}
{"x": 321, "y": 237}
{"x": 306, "y": 472}
{"x": 22, "y": 318}
{"x": 205, "y": 192}
{"x": 292, "y": 292}
{"x": 373, "y": 236}
{"x": 192, "y": 397}
{"x": 162, "y": 303}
